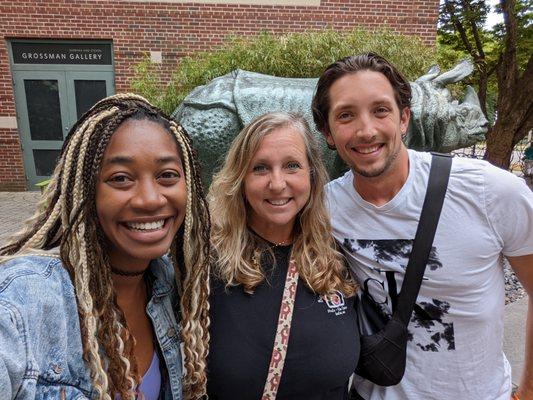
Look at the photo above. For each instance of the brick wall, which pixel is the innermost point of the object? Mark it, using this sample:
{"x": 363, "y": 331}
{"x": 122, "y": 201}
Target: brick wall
{"x": 11, "y": 165}
{"x": 177, "y": 29}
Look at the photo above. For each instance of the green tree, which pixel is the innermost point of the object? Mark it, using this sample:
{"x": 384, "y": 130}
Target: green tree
{"x": 504, "y": 66}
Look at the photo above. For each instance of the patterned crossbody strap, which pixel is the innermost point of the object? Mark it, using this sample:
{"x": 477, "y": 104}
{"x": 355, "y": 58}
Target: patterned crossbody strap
{"x": 283, "y": 331}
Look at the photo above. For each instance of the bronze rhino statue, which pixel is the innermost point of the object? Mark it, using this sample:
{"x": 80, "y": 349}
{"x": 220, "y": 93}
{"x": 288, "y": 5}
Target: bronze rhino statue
{"x": 214, "y": 113}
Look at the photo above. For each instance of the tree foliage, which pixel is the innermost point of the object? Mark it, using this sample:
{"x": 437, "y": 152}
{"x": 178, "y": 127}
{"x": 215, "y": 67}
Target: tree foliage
{"x": 299, "y": 55}
{"x": 504, "y": 66}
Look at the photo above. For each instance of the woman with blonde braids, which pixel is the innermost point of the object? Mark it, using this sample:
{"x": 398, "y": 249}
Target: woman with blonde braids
{"x": 272, "y": 240}
{"x": 94, "y": 290}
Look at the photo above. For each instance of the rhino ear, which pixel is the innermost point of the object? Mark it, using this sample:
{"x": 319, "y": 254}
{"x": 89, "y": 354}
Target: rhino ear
{"x": 460, "y": 71}
{"x": 432, "y": 73}
{"x": 471, "y": 96}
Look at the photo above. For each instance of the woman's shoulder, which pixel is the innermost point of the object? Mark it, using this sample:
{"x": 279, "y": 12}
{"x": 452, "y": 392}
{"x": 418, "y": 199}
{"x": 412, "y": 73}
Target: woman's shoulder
{"x": 36, "y": 297}
{"x": 34, "y": 281}
{"x": 37, "y": 271}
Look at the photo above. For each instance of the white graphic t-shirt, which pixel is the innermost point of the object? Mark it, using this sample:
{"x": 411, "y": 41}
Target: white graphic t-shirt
{"x": 455, "y": 347}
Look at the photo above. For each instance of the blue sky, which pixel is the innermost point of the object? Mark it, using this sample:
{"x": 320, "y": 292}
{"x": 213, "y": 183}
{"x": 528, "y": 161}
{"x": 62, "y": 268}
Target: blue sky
{"x": 493, "y": 18}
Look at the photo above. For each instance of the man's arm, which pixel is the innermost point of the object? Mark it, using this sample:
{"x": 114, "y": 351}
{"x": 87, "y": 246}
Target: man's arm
{"x": 523, "y": 268}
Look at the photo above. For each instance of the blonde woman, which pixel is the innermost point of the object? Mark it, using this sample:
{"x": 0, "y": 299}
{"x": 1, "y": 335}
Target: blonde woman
{"x": 268, "y": 219}
{"x": 89, "y": 305}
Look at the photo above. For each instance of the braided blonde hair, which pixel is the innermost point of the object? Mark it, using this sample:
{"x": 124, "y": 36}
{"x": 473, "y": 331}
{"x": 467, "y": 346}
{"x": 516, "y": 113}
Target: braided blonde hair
{"x": 66, "y": 217}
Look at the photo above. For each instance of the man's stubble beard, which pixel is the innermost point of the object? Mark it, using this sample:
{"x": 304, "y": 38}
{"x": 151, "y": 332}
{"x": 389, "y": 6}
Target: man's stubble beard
{"x": 374, "y": 174}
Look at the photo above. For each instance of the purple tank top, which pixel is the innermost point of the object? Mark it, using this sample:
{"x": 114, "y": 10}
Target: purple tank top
{"x": 151, "y": 382}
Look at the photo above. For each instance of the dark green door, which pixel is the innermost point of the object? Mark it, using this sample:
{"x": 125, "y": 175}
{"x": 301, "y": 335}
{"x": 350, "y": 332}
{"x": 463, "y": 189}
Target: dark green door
{"x": 48, "y": 104}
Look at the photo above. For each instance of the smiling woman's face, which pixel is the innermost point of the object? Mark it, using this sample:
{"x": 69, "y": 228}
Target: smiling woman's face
{"x": 140, "y": 194}
{"x": 277, "y": 184}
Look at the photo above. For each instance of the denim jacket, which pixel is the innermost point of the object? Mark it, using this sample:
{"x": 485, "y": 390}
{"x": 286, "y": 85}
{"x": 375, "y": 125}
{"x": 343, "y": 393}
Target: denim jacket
{"x": 40, "y": 341}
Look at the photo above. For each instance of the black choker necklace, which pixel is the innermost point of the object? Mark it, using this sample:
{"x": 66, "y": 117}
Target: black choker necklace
{"x": 121, "y": 272}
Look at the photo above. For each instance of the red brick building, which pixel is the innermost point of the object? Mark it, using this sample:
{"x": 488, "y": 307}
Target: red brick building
{"x": 59, "y": 56}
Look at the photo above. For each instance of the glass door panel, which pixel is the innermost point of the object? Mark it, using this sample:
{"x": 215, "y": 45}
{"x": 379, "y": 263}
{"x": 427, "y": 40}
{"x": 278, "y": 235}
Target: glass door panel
{"x": 87, "y": 94}
{"x": 87, "y": 88}
{"x": 45, "y": 161}
{"x": 43, "y": 120}
{"x": 44, "y": 110}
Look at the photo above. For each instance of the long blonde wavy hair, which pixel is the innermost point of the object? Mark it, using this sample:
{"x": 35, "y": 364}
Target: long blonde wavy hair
{"x": 66, "y": 218}
{"x": 234, "y": 245}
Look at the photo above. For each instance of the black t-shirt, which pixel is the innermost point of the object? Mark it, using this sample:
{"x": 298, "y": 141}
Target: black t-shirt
{"x": 323, "y": 346}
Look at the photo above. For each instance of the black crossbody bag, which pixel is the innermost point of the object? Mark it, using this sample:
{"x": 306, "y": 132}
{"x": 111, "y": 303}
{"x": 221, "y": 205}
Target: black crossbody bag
{"x": 383, "y": 353}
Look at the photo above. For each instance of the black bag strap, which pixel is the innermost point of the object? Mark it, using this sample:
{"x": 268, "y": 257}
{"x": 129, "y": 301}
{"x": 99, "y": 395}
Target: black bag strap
{"x": 439, "y": 175}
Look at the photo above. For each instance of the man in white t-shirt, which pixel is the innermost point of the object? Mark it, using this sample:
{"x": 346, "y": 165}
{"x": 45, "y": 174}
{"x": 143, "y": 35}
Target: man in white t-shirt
{"x": 455, "y": 347}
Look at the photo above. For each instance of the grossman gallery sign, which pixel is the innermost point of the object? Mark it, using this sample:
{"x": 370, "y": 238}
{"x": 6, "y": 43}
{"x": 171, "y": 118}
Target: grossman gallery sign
{"x": 62, "y": 53}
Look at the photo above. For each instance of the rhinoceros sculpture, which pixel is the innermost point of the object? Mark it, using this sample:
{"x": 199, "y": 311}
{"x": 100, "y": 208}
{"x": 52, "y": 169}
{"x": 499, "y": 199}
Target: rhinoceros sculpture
{"x": 214, "y": 113}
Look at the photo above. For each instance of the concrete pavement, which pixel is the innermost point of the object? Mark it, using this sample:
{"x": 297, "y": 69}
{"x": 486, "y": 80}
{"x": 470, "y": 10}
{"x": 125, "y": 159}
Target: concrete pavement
{"x": 15, "y": 208}
{"x": 515, "y": 336}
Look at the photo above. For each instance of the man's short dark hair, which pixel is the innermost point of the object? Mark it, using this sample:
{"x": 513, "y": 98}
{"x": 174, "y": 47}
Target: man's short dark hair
{"x": 349, "y": 65}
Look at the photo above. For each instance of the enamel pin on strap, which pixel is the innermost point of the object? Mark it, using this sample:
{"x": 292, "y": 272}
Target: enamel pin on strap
{"x": 283, "y": 330}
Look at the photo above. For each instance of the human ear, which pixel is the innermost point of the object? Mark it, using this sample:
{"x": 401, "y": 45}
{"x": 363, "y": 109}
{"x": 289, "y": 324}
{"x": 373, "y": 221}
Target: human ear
{"x": 404, "y": 119}
{"x": 329, "y": 139}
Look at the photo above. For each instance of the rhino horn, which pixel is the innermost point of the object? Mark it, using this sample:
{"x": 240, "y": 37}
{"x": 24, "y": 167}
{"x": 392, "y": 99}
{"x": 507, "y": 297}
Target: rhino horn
{"x": 471, "y": 96}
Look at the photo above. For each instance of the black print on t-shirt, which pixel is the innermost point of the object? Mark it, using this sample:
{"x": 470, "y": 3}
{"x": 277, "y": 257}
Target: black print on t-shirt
{"x": 429, "y": 316}
{"x": 391, "y": 250}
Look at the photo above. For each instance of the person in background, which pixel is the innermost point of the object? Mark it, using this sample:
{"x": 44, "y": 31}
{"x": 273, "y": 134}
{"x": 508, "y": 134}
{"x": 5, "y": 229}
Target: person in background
{"x": 362, "y": 106}
{"x": 528, "y": 160}
{"x": 270, "y": 224}
{"x": 89, "y": 304}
